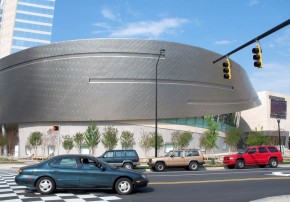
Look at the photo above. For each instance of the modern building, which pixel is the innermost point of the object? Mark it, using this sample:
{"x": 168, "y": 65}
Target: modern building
{"x": 112, "y": 82}
{"x": 25, "y": 24}
{"x": 264, "y": 118}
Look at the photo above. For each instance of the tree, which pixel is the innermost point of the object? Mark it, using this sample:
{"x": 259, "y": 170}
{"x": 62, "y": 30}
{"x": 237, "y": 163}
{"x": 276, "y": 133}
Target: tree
{"x": 209, "y": 138}
{"x": 92, "y": 137}
{"x": 145, "y": 142}
{"x": 53, "y": 140}
{"x": 67, "y": 143}
{"x": 127, "y": 140}
{"x": 79, "y": 139}
{"x": 232, "y": 138}
{"x": 257, "y": 138}
{"x": 181, "y": 139}
{"x": 110, "y": 138}
{"x": 34, "y": 140}
{"x": 44, "y": 140}
{"x": 160, "y": 141}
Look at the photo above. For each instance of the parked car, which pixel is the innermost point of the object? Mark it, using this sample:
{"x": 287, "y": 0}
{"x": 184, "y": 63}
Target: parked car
{"x": 188, "y": 158}
{"x": 79, "y": 171}
{"x": 255, "y": 155}
{"x": 121, "y": 158}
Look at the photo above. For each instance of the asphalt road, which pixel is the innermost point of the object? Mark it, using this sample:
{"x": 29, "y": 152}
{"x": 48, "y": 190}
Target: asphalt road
{"x": 215, "y": 185}
{"x": 218, "y": 185}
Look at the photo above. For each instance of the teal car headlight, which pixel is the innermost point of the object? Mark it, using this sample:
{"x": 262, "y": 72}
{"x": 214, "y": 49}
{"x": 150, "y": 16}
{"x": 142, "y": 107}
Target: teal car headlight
{"x": 144, "y": 176}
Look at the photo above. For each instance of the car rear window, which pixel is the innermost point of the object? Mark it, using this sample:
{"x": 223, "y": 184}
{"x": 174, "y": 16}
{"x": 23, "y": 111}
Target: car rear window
{"x": 273, "y": 149}
{"x": 191, "y": 153}
{"x": 130, "y": 154}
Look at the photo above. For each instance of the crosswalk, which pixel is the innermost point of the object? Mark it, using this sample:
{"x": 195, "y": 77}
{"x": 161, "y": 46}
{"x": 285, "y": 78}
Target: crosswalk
{"x": 11, "y": 192}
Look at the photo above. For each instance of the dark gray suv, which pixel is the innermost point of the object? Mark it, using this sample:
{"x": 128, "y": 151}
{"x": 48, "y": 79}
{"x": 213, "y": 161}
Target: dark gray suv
{"x": 121, "y": 158}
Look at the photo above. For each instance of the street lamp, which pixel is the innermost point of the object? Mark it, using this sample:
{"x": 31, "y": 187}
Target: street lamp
{"x": 279, "y": 141}
{"x": 161, "y": 53}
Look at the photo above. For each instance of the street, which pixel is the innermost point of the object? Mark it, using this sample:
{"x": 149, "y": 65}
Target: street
{"x": 173, "y": 185}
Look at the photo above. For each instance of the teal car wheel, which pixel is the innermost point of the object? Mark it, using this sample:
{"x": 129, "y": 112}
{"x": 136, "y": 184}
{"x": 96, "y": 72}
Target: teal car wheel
{"x": 45, "y": 185}
{"x": 124, "y": 186}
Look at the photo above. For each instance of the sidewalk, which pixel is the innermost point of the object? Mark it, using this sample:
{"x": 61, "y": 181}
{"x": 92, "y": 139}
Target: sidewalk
{"x": 142, "y": 167}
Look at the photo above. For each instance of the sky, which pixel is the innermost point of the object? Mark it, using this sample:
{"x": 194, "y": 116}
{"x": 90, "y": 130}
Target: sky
{"x": 216, "y": 25}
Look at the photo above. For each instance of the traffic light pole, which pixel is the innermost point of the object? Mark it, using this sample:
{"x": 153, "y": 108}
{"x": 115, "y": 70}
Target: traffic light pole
{"x": 278, "y": 27}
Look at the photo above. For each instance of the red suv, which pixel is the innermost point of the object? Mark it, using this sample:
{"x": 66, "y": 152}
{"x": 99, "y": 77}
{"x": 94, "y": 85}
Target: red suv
{"x": 255, "y": 155}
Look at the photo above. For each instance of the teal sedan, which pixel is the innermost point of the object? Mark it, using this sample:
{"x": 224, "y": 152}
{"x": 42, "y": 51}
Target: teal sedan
{"x": 79, "y": 171}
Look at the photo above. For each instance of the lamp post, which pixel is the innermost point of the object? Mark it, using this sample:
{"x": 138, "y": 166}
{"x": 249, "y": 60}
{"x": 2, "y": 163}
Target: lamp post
{"x": 279, "y": 141}
{"x": 162, "y": 52}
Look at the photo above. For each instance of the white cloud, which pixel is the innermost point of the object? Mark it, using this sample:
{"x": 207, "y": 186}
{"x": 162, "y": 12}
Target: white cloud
{"x": 223, "y": 42}
{"x": 253, "y": 2}
{"x": 272, "y": 77}
{"x": 109, "y": 14}
{"x": 102, "y": 25}
{"x": 149, "y": 28}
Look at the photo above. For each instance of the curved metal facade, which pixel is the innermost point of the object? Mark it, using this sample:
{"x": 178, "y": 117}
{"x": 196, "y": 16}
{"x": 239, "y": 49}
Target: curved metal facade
{"x": 114, "y": 79}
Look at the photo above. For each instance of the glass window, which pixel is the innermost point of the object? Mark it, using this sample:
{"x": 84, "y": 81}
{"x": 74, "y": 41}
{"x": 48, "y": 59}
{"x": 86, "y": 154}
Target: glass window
{"x": 25, "y": 25}
{"x": 14, "y": 50}
{"x": 181, "y": 121}
{"x": 27, "y": 150}
{"x": 109, "y": 155}
{"x": 34, "y": 18}
{"x": 262, "y": 150}
{"x": 252, "y": 151}
{"x": 66, "y": 163}
{"x": 273, "y": 149}
{"x": 188, "y": 153}
{"x": 35, "y": 9}
{"x": 39, "y": 2}
{"x": 50, "y": 149}
{"x": 90, "y": 163}
{"x": 118, "y": 154}
{"x": 32, "y": 35}
{"x": 130, "y": 154}
{"x": 178, "y": 153}
{"x": 27, "y": 44}
{"x": 170, "y": 153}
{"x": 191, "y": 153}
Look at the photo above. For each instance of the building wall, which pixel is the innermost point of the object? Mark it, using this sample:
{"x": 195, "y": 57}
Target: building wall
{"x": 114, "y": 80}
{"x": 260, "y": 116}
{"x": 7, "y": 26}
{"x": 136, "y": 127}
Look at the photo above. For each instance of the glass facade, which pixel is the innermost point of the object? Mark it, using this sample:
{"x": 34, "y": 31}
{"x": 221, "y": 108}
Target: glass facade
{"x": 32, "y": 25}
{"x": 1, "y": 11}
{"x": 224, "y": 121}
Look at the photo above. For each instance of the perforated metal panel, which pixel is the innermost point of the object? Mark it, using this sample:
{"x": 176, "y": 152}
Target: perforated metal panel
{"x": 114, "y": 79}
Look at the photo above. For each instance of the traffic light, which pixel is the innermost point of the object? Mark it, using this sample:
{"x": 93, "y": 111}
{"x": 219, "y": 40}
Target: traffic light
{"x": 227, "y": 69}
{"x": 55, "y": 128}
{"x": 257, "y": 56}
